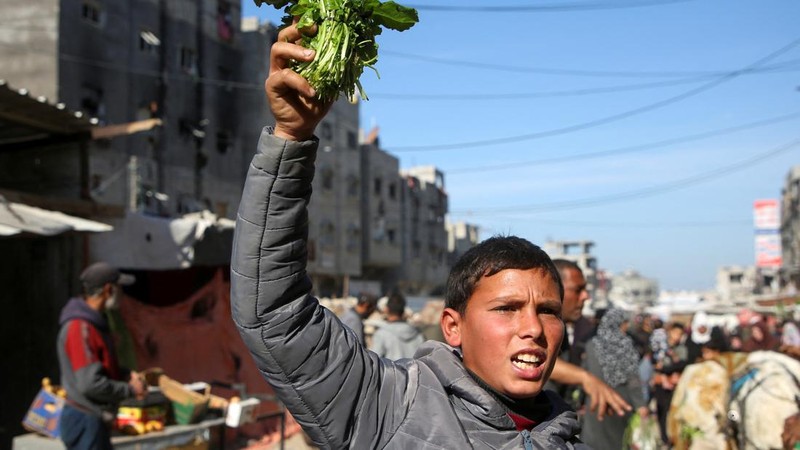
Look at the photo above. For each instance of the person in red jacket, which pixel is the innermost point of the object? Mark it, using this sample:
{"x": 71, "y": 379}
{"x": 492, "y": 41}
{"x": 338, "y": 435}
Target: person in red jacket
{"x": 90, "y": 373}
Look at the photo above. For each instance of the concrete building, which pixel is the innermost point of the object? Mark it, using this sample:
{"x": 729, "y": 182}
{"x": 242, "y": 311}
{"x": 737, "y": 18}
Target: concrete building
{"x": 425, "y": 205}
{"x": 335, "y": 226}
{"x": 737, "y": 284}
{"x": 120, "y": 62}
{"x": 381, "y": 216}
{"x": 790, "y": 228}
{"x": 461, "y": 236}
{"x": 632, "y": 289}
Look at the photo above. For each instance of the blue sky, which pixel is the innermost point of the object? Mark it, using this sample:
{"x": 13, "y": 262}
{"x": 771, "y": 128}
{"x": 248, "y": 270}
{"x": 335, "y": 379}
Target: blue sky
{"x": 693, "y": 107}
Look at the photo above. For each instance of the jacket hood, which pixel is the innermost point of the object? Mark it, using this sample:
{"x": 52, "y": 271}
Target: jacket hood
{"x": 77, "y": 308}
{"x": 403, "y": 330}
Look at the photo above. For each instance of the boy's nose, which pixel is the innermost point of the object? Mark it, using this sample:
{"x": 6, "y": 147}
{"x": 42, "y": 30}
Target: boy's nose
{"x": 530, "y": 325}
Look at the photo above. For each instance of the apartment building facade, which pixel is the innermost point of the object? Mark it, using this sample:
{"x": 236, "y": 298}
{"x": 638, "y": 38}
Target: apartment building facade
{"x": 790, "y": 228}
{"x": 196, "y": 66}
{"x": 425, "y": 204}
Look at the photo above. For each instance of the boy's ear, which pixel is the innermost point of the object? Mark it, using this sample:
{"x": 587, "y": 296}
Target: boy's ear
{"x": 451, "y": 327}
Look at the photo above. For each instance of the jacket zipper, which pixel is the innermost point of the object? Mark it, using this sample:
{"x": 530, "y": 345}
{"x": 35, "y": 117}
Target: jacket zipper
{"x": 527, "y": 439}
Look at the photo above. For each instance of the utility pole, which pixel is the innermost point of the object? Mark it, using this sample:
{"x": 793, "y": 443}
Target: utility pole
{"x": 133, "y": 184}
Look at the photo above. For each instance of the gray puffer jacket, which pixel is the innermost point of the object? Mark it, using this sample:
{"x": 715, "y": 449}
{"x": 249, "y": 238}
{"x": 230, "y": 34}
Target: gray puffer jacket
{"x": 343, "y": 395}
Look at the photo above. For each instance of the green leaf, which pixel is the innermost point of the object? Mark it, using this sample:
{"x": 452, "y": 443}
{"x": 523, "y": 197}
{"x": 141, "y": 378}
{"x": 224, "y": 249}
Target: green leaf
{"x": 395, "y": 16}
{"x": 276, "y": 3}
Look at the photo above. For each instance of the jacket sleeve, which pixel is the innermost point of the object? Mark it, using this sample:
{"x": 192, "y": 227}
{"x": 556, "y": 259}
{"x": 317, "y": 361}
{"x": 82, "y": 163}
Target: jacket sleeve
{"x": 343, "y": 395}
{"x": 83, "y": 346}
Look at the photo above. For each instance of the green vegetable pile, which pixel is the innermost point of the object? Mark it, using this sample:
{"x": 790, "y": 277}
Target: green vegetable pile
{"x": 345, "y": 39}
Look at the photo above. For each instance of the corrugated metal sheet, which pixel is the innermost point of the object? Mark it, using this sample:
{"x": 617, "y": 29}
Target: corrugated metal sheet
{"x": 25, "y": 118}
{"x": 17, "y": 218}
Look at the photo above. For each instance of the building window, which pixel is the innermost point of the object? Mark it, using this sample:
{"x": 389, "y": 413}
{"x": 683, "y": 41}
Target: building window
{"x": 352, "y": 186}
{"x": 392, "y": 191}
{"x": 326, "y": 177}
{"x": 327, "y": 235}
{"x": 90, "y": 11}
{"x": 92, "y": 102}
{"x": 352, "y": 140}
{"x": 148, "y": 42}
{"x": 353, "y": 238}
{"x": 188, "y": 60}
{"x": 377, "y": 186}
{"x": 326, "y": 131}
{"x": 390, "y": 235}
{"x": 224, "y": 21}
{"x": 223, "y": 142}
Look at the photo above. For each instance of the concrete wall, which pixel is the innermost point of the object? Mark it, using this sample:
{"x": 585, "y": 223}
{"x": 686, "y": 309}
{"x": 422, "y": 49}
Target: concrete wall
{"x": 29, "y": 45}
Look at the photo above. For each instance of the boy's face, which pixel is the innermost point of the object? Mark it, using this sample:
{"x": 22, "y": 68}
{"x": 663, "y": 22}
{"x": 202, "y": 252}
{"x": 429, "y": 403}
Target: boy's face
{"x": 511, "y": 332}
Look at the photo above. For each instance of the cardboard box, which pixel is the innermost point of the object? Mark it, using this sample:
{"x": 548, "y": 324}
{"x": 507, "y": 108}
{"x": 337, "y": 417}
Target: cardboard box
{"x": 188, "y": 405}
{"x": 44, "y": 415}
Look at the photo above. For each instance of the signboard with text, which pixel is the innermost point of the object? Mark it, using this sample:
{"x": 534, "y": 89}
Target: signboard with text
{"x": 766, "y": 214}
{"x": 768, "y": 250}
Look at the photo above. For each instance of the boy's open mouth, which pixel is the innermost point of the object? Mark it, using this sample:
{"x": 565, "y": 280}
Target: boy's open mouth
{"x": 528, "y": 360}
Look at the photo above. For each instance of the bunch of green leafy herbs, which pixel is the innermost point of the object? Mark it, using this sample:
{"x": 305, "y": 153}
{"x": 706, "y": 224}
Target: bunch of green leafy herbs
{"x": 345, "y": 39}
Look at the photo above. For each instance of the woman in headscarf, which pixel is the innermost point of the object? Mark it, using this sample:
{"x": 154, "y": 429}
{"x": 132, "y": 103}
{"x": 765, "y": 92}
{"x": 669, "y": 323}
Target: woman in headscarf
{"x": 611, "y": 356}
{"x": 761, "y": 338}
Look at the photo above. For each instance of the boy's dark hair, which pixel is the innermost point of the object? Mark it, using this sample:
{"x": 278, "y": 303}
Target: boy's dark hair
{"x": 491, "y": 256}
{"x": 396, "y": 305}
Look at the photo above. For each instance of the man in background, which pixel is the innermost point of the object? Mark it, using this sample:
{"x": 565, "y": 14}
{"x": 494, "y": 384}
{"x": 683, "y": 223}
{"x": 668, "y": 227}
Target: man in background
{"x": 396, "y": 338}
{"x": 90, "y": 373}
{"x": 567, "y": 374}
{"x": 354, "y": 317}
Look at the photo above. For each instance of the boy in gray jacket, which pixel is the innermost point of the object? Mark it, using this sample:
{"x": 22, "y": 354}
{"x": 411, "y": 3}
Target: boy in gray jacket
{"x": 502, "y": 318}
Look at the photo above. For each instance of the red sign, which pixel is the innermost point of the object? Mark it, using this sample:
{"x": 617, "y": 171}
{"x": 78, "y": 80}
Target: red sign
{"x": 768, "y": 250}
{"x": 766, "y": 214}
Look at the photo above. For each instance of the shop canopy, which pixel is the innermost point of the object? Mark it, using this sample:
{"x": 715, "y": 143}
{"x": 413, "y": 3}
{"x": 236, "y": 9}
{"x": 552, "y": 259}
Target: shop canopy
{"x": 20, "y": 219}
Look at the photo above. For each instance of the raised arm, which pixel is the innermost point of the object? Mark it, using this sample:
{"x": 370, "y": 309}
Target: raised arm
{"x": 338, "y": 391}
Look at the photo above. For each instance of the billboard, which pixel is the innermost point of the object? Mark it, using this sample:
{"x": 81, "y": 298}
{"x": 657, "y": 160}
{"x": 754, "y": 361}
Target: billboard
{"x": 768, "y": 250}
{"x": 766, "y": 214}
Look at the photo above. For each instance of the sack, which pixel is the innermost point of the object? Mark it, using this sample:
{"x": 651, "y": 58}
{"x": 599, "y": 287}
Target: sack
{"x": 44, "y": 415}
{"x": 642, "y": 433}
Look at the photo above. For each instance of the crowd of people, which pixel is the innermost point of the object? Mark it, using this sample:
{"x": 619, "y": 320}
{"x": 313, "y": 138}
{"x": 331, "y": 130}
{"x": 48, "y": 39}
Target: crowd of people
{"x": 644, "y": 358}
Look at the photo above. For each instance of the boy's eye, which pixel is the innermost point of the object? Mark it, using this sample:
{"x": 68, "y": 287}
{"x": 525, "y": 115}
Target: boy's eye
{"x": 550, "y": 311}
{"x": 505, "y": 308}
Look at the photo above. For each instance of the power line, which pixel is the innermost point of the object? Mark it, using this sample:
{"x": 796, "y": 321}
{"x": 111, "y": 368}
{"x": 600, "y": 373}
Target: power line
{"x": 639, "y": 193}
{"x": 406, "y": 96}
{"x": 559, "y": 71}
{"x": 633, "y": 225}
{"x": 547, "y": 7}
{"x": 783, "y": 66}
{"x": 622, "y": 150}
{"x": 603, "y": 120}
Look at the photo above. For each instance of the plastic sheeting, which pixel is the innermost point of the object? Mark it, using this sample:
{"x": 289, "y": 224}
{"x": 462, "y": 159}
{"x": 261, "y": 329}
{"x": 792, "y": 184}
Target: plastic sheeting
{"x": 196, "y": 340}
{"x": 17, "y": 218}
{"x": 142, "y": 241}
